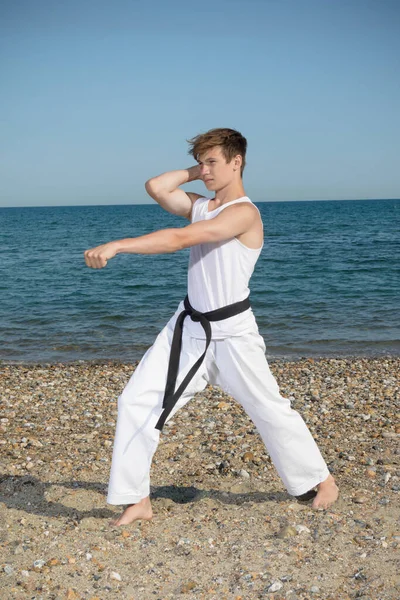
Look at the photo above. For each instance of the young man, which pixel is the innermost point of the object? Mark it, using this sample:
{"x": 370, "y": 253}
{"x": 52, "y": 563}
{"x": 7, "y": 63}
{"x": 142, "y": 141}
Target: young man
{"x": 213, "y": 336}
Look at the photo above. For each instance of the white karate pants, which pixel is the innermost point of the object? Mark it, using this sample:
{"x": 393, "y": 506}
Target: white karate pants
{"x": 236, "y": 364}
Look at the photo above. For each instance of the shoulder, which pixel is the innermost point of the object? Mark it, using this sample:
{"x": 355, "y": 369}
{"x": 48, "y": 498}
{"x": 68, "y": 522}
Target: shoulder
{"x": 242, "y": 209}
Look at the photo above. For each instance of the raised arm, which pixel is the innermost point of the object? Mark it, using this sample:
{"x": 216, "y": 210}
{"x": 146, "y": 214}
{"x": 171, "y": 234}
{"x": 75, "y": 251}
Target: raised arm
{"x": 165, "y": 190}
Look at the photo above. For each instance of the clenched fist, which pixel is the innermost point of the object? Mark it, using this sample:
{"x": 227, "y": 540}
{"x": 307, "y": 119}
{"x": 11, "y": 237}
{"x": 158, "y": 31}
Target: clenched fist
{"x": 97, "y": 258}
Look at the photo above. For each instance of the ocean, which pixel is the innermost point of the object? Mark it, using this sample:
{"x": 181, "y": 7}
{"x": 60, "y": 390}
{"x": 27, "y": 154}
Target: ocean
{"x": 326, "y": 283}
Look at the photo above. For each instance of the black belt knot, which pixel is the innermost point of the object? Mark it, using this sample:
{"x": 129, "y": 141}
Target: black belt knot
{"x": 195, "y": 315}
{"x": 171, "y": 396}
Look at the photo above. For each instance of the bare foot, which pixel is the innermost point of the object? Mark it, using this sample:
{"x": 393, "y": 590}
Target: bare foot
{"x": 141, "y": 510}
{"x": 327, "y": 494}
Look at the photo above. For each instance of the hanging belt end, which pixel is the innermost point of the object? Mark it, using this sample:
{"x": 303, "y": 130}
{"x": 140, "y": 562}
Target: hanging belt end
{"x": 160, "y": 422}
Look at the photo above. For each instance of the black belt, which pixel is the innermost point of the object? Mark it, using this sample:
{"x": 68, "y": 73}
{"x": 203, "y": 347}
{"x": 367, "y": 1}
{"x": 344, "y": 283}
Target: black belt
{"x": 171, "y": 396}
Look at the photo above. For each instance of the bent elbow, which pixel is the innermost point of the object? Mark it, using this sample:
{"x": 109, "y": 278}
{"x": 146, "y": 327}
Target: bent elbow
{"x": 150, "y": 187}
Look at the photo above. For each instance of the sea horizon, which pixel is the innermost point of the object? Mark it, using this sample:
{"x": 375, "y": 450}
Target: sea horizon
{"x": 152, "y": 203}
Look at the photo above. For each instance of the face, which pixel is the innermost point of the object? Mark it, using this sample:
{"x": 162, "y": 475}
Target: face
{"x": 215, "y": 171}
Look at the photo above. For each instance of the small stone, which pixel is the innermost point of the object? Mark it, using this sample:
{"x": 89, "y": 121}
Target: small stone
{"x": 371, "y": 473}
{"x": 248, "y": 456}
{"x": 302, "y": 529}
{"x": 25, "y": 573}
{"x": 38, "y": 564}
{"x": 53, "y": 562}
{"x": 359, "y": 575}
{"x": 186, "y": 587}
{"x": 223, "y": 405}
{"x": 116, "y": 576}
{"x": 359, "y": 499}
{"x": 71, "y": 595}
{"x": 287, "y": 532}
{"x": 314, "y": 589}
{"x": 224, "y": 467}
{"x": 274, "y": 587}
{"x": 244, "y": 474}
{"x": 8, "y": 570}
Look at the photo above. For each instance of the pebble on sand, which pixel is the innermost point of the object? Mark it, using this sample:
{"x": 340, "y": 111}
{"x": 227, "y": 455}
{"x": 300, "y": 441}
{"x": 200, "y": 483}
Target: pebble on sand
{"x": 275, "y": 586}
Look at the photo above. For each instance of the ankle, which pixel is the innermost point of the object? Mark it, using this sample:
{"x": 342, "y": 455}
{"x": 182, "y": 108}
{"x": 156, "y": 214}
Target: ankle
{"x": 328, "y": 481}
{"x": 145, "y": 500}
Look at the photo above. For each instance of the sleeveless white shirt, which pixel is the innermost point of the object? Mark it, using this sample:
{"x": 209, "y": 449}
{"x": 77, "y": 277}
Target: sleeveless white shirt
{"x": 219, "y": 275}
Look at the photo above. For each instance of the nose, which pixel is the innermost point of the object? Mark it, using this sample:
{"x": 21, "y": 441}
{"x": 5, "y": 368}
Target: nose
{"x": 204, "y": 170}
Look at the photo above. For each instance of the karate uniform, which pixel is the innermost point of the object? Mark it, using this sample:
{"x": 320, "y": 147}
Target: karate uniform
{"x": 218, "y": 276}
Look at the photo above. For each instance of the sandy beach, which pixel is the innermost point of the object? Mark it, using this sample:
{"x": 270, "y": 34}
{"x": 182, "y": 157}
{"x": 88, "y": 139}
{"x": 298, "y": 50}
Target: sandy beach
{"x": 224, "y": 527}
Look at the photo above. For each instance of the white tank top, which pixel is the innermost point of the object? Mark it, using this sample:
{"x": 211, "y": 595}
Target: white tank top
{"x": 219, "y": 275}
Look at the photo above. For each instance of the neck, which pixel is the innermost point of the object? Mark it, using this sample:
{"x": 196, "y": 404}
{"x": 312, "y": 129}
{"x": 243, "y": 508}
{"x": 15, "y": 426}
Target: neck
{"x": 231, "y": 192}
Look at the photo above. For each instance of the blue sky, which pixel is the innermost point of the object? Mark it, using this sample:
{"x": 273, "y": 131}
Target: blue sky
{"x": 96, "y": 97}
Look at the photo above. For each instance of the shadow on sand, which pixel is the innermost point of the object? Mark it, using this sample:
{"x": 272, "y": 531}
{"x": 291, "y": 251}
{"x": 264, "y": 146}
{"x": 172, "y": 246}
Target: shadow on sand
{"x": 27, "y": 493}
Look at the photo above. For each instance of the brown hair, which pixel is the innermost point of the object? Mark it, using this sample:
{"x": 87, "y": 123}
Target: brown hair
{"x": 232, "y": 143}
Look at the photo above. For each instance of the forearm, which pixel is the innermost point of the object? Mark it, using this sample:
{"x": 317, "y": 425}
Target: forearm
{"x": 158, "y": 242}
{"x": 164, "y": 189}
{"x": 171, "y": 180}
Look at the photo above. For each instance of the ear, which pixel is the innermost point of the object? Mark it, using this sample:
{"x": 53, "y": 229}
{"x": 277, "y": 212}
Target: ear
{"x": 237, "y": 162}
